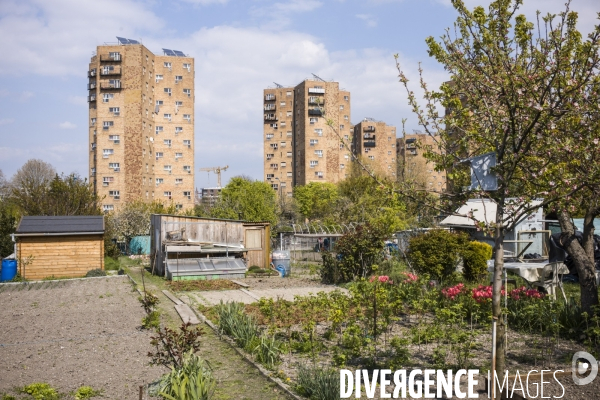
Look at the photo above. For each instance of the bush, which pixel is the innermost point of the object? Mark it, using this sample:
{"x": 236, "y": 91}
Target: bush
{"x": 475, "y": 256}
{"x": 318, "y": 383}
{"x": 86, "y": 392}
{"x": 95, "y": 272}
{"x": 436, "y": 253}
{"x": 173, "y": 345}
{"x": 357, "y": 252}
{"x": 151, "y": 320}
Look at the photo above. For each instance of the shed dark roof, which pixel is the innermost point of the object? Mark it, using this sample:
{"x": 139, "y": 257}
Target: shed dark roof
{"x": 62, "y": 224}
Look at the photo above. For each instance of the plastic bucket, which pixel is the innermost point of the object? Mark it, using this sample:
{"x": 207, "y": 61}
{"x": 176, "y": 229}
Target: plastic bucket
{"x": 9, "y": 270}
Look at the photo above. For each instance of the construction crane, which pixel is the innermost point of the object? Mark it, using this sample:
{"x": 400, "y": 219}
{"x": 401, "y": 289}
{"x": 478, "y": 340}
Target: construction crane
{"x": 216, "y": 170}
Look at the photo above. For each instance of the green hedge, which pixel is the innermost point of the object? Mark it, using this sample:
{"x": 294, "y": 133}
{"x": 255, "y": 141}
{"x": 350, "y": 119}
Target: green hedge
{"x": 475, "y": 256}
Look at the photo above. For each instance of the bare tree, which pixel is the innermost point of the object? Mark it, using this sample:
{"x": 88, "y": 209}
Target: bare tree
{"x": 30, "y": 185}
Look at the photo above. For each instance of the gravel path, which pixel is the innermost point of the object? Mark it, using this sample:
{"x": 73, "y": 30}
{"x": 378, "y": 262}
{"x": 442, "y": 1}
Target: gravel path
{"x": 74, "y": 333}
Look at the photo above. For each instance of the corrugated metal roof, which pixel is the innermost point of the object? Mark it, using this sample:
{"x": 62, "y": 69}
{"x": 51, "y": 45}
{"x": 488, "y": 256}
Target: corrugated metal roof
{"x": 61, "y": 224}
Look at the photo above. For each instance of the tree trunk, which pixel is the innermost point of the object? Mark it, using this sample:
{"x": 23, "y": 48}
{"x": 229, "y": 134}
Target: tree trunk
{"x": 583, "y": 260}
{"x": 497, "y": 295}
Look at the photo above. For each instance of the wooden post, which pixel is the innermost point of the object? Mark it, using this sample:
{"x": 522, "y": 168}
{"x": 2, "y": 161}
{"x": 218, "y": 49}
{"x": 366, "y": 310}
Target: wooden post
{"x": 141, "y": 392}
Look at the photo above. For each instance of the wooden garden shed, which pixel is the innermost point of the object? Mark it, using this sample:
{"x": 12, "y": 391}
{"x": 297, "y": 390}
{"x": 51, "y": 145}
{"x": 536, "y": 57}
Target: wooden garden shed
{"x": 63, "y": 246}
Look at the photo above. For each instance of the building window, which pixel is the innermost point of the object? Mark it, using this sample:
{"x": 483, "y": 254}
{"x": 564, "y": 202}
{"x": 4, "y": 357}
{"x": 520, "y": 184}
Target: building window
{"x": 167, "y": 168}
{"x": 159, "y": 129}
{"x": 187, "y": 168}
{"x": 107, "y": 152}
{"x": 346, "y": 117}
{"x": 167, "y": 116}
{"x": 371, "y": 157}
{"x": 159, "y": 181}
{"x": 178, "y": 130}
{"x": 115, "y": 166}
{"x": 313, "y": 142}
{"x": 346, "y": 98}
{"x": 115, "y": 55}
{"x": 283, "y": 165}
{"x": 289, "y": 174}
{"x": 167, "y": 65}
{"x": 389, "y": 153}
{"x": 269, "y": 156}
{"x": 167, "y": 194}
{"x": 341, "y": 107}
{"x": 178, "y": 78}
{"x": 167, "y": 142}
{"x": 187, "y": 117}
{"x": 168, "y": 91}
{"x": 114, "y": 193}
{"x": 115, "y": 110}
{"x": 341, "y": 127}
{"x": 314, "y": 163}
{"x": 93, "y": 121}
{"x": 341, "y": 146}
{"x": 313, "y": 120}
{"x": 269, "y": 136}
{"x": 107, "y": 96}
{"x": 319, "y": 132}
{"x": 187, "y": 66}
{"x": 179, "y": 104}
{"x": 289, "y": 154}
{"x": 289, "y": 134}
{"x": 159, "y": 78}
{"x": 318, "y": 174}
{"x": 159, "y": 154}
{"x": 159, "y": 102}
{"x": 283, "y": 144}
{"x": 288, "y": 93}
{"x": 319, "y": 153}
{"x": 342, "y": 166}
{"x": 188, "y": 195}
{"x": 187, "y": 143}
{"x": 178, "y": 155}
{"x": 108, "y": 207}
{"x": 188, "y": 92}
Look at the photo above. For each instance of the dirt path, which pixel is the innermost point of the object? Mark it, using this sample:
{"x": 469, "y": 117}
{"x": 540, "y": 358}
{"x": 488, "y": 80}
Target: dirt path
{"x": 237, "y": 379}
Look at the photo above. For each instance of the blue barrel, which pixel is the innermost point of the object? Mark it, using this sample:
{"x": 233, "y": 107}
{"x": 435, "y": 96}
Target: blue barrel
{"x": 9, "y": 270}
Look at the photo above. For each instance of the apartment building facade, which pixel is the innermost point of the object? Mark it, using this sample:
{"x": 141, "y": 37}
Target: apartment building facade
{"x": 299, "y": 145}
{"x": 375, "y": 143}
{"x": 141, "y": 117}
{"x": 415, "y": 167}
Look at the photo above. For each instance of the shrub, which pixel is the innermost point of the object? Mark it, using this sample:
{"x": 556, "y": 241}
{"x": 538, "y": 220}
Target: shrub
{"x": 436, "y": 253}
{"x": 111, "y": 264}
{"x": 357, "y": 252}
{"x": 95, "y": 272}
{"x": 172, "y": 345}
{"x": 475, "y": 256}
{"x": 151, "y": 320}
{"x": 318, "y": 383}
{"x": 192, "y": 381}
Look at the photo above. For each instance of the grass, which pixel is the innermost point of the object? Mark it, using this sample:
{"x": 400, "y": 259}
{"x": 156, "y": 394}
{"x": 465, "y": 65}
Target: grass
{"x": 202, "y": 285}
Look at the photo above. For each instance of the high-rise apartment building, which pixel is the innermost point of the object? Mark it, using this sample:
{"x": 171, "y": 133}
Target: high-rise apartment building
{"x": 415, "y": 167}
{"x": 299, "y": 145}
{"x": 141, "y": 117}
{"x": 375, "y": 143}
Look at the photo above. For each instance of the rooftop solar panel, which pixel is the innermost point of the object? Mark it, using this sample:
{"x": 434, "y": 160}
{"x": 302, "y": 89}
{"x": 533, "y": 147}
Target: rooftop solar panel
{"x": 169, "y": 52}
{"x": 179, "y": 53}
{"x": 131, "y": 41}
{"x": 123, "y": 40}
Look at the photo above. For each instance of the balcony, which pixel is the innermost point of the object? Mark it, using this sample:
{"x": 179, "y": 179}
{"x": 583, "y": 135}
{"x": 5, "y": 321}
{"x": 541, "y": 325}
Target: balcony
{"x": 270, "y": 117}
{"x": 269, "y": 97}
{"x": 110, "y": 57}
{"x": 316, "y": 90}
{"x": 413, "y": 152}
{"x": 115, "y": 71}
{"x": 92, "y": 73}
{"x": 269, "y": 107}
{"x": 411, "y": 145}
{"x": 369, "y": 144}
{"x": 91, "y": 98}
{"x": 109, "y": 86}
{"x": 315, "y": 111}
{"x": 315, "y": 100}
{"x": 369, "y": 128}
{"x": 369, "y": 136}
{"x": 91, "y": 86}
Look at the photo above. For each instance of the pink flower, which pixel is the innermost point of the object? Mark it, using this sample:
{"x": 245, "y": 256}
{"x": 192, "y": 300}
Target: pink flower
{"x": 382, "y": 279}
{"x": 452, "y": 292}
{"x": 411, "y": 278}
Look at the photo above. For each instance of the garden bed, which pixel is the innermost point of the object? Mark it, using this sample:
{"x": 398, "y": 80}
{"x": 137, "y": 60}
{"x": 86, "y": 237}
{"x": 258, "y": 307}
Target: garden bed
{"x": 417, "y": 326}
{"x": 71, "y": 333}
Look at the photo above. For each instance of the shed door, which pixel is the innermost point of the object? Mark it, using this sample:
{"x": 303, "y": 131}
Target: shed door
{"x": 253, "y": 239}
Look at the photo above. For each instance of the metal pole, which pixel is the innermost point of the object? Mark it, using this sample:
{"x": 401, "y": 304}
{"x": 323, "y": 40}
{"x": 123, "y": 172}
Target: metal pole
{"x": 280, "y": 240}
{"x": 492, "y": 381}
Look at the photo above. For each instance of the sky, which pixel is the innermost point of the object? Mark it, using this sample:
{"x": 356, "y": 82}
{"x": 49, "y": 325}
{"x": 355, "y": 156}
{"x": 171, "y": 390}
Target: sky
{"x": 240, "y": 48}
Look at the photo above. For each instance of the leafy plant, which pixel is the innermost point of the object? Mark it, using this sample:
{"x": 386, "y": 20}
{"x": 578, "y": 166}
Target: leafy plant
{"x": 193, "y": 380}
{"x": 94, "y": 273}
{"x": 41, "y": 391}
{"x": 475, "y": 256}
{"x": 149, "y": 301}
{"x": 151, "y": 321}
{"x": 172, "y": 345}
{"x": 86, "y": 392}
{"x": 436, "y": 253}
{"x": 318, "y": 383}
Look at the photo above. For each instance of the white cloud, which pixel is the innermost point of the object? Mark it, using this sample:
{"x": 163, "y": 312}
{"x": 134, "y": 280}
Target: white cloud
{"x": 279, "y": 15}
{"x": 58, "y": 37}
{"x": 67, "y": 125}
{"x": 369, "y": 19}
{"x": 6, "y": 121}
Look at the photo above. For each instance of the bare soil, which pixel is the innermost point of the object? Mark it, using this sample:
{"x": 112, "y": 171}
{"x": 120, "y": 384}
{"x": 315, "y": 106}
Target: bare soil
{"x": 275, "y": 282}
{"x": 70, "y": 333}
